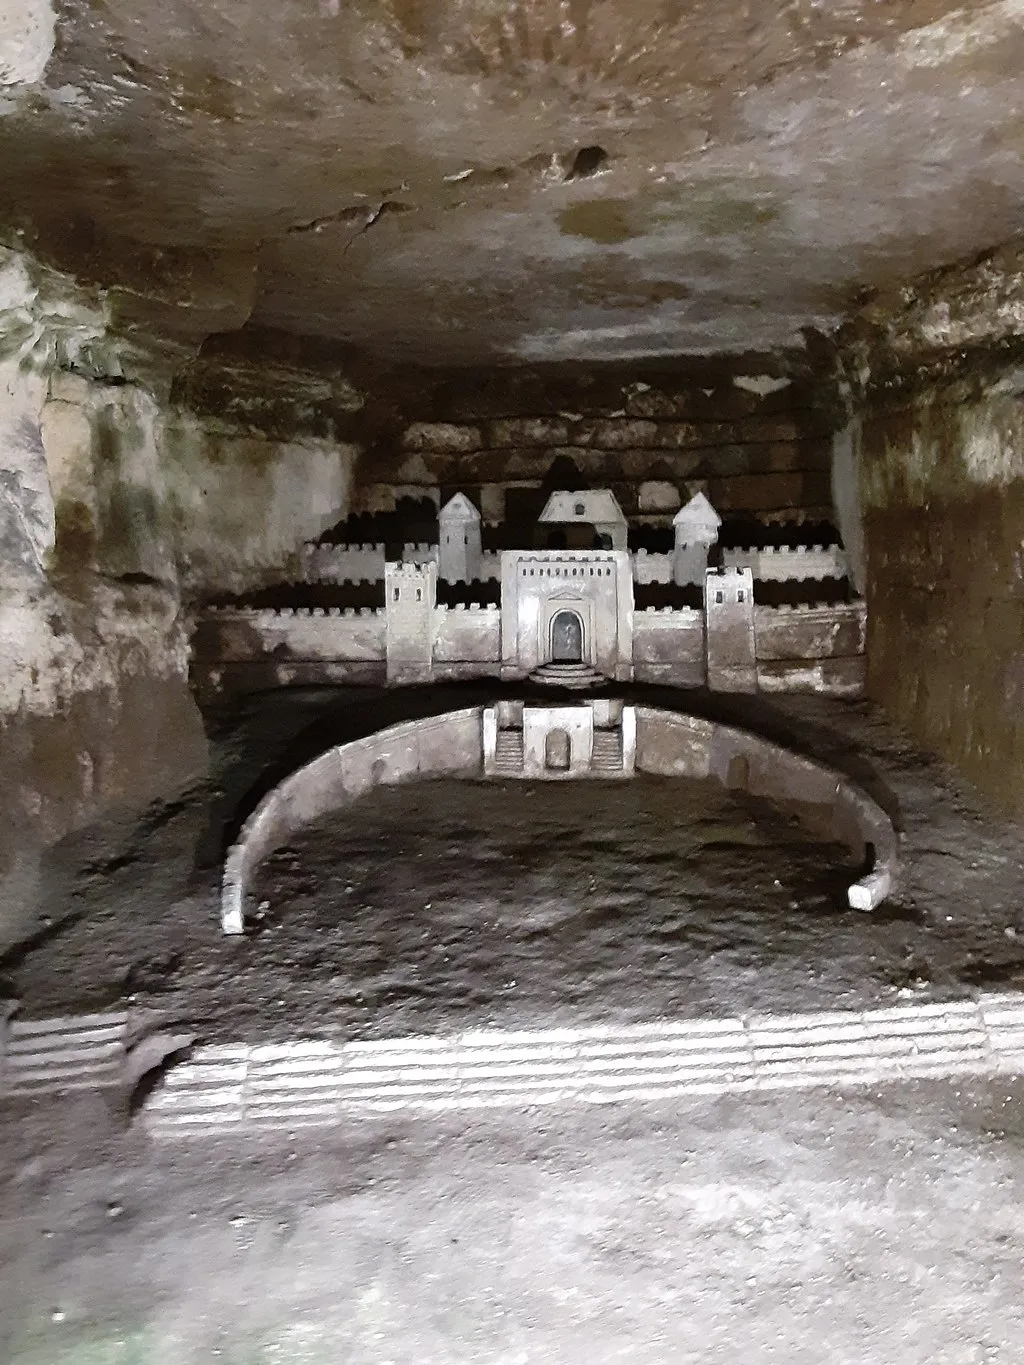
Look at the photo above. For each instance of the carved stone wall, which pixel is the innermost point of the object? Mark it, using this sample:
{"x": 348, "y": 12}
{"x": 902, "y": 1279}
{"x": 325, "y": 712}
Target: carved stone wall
{"x": 943, "y": 485}
{"x": 752, "y": 447}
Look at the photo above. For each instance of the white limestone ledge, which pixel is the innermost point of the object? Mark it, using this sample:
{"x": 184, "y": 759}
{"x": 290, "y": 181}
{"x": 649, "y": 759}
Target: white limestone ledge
{"x": 312, "y": 1083}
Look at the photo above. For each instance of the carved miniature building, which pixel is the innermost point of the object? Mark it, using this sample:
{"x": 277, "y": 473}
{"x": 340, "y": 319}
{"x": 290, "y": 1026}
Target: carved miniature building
{"x": 731, "y": 651}
{"x": 772, "y": 618}
{"x": 459, "y": 552}
{"x": 566, "y": 607}
{"x": 597, "y": 508}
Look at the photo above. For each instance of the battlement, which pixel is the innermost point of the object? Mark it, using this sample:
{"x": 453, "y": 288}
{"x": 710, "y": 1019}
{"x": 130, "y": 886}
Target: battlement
{"x": 313, "y": 547}
{"x": 488, "y": 607}
{"x": 290, "y": 613}
{"x": 563, "y": 556}
{"x": 409, "y": 569}
{"x": 834, "y": 609}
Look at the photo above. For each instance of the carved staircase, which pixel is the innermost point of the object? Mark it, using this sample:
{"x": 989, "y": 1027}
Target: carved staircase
{"x": 508, "y": 753}
{"x": 606, "y": 756}
{"x": 577, "y": 677}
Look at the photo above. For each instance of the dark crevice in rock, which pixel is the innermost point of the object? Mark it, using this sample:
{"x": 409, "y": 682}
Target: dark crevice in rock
{"x": 587, "y": 162}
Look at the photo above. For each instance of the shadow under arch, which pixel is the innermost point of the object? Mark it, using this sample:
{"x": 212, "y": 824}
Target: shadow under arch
{"x": 668, "y": 742}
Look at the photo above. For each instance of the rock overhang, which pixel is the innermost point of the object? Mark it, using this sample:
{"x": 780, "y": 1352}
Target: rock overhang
{"x": 524, "y": 183}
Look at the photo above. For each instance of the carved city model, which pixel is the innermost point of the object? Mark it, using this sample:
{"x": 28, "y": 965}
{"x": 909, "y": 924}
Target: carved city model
{"x": 576, "y": 617}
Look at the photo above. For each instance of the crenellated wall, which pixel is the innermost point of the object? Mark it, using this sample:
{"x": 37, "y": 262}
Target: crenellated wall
{"x": 668, "y": 647}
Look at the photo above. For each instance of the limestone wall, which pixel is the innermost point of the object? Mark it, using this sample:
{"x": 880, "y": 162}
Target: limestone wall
{"x": 94, "y": 702}
{"x": 943, "y": 494}
{"x": 116, "y": 510}
{"x": 241, "y": 506}
{"x": 467, "y": 634}
{"x": 753, "y": 443}
{"x": 668, "y": 647}
{"x": 451, "y": 744}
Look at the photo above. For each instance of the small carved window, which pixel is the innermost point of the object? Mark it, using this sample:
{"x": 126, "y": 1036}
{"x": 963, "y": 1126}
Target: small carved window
{"x": 741, "y": 596}
{"x": 419, "y": 594}
{"x": 719, "y": 597}
{"x": 580, "y": 509}
{"x": 397, "y": 591}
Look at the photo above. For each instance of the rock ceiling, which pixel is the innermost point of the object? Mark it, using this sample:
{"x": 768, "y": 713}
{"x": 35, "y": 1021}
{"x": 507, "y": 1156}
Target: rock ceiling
{"x": 448, "y": 181}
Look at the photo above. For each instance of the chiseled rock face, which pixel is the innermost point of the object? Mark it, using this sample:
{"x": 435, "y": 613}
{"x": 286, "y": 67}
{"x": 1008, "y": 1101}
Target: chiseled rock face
{"x": 94, "y": 700}
{"x": 935, "y": 375}
{"x": 519, "y": 182}
{"x": 117, "y": 509}
{"x": 943, "y": 479}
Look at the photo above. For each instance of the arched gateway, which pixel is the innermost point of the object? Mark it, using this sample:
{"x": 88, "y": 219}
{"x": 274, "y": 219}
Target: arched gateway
{"x": 457, "y": 744}
{"x": 566, "y": 638}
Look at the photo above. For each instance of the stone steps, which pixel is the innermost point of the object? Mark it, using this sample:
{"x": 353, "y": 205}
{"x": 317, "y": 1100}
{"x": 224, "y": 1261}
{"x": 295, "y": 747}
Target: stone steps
{"x": 606, "y": 756}
{"x": 318, "y": 1082}
{"x": 508, "y": 752}
{"x": 576, "y": 677}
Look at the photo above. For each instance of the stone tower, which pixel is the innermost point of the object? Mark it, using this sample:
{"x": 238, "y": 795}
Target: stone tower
{"x": 459, "y": 552}
{"x": 729, "y": 630}
{"x": 410, "y": 592}
{"x": 696, "y": 530}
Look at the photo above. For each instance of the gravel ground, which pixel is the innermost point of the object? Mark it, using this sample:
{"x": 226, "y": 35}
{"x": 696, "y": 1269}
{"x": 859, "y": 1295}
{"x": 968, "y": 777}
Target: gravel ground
{"x": 856, "y": 1229}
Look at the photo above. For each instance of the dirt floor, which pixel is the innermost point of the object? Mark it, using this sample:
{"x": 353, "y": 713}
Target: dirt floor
{"x": 434, "y": 906}
{"x": 858, "y": 1228}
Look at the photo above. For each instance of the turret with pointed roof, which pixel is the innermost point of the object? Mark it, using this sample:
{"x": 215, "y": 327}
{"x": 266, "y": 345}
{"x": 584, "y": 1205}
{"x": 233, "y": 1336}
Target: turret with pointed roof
{"x": 459, "y": 552}
{"x": 696, "y": 529}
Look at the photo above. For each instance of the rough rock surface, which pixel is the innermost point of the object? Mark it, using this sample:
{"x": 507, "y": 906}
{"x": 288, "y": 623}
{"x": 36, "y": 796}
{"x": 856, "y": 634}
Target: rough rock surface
{"x": 600, "y": 179}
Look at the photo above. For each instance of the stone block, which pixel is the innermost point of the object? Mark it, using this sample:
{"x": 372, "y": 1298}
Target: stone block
{"x": 617, "y": 433}
{"x": 769, "y": 429}
{"x": 758, "y": 492}
{"x": 680, "y": 435}
{"x": 654, "y": 403}
{"x": 492, "y": 502}
{"x": 727, "y": 462}
{"x": 658, "y": 495}
{"x": 66, "y": 387}
{"x": 528, "y": 431}
{"x": 448, "y": 438}
{"x": 780, "y": 457}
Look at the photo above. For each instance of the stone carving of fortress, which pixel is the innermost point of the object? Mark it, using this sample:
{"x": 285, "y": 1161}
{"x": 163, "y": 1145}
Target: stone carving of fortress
{"x": 577, "y": 608}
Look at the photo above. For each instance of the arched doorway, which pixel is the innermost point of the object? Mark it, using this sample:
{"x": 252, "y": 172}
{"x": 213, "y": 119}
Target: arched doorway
{"x": 557, "y": 751}
{"x": 566, "y": 638}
